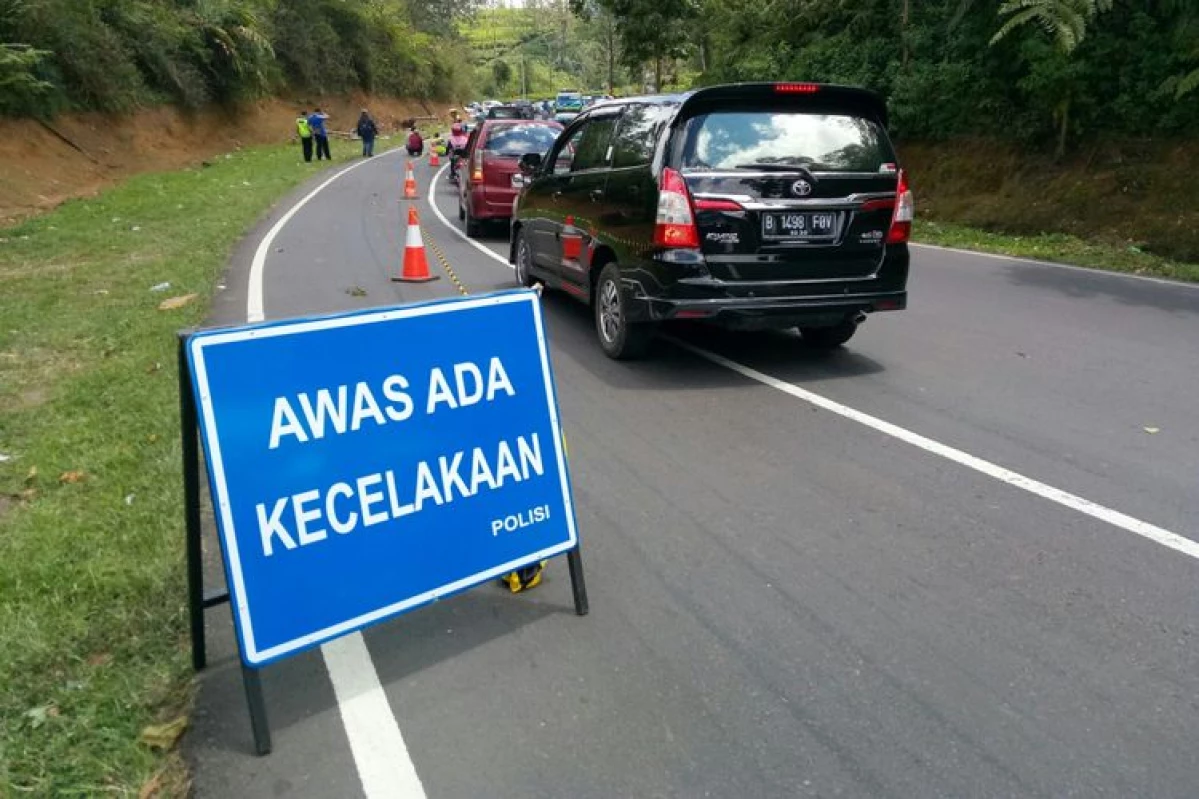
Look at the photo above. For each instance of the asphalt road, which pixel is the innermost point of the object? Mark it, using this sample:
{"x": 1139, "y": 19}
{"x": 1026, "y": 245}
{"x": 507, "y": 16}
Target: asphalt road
{"x": 787, "y": 602}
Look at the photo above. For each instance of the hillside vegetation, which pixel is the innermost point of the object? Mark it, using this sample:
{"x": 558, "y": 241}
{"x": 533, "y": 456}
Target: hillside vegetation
{"x": 1019, "y": 116}
{"x": 116, "y": 55}
{"x": 1051, "y": 73}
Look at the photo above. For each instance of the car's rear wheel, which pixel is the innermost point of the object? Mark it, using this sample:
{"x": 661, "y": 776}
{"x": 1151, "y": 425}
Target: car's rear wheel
{"x": 826, "y": 338}
{"x": 474, "y": 228}
{"x": 524, "y": 260}
{"x": 619, "y": 338}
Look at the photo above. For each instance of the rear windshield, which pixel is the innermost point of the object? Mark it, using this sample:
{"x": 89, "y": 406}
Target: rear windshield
{"x": 765, "y": 140}
{"x": 520, "y": 139}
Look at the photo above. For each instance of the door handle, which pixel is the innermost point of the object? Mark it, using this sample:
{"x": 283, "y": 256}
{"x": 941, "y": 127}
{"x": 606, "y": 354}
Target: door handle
{"x": 556, "y": 196}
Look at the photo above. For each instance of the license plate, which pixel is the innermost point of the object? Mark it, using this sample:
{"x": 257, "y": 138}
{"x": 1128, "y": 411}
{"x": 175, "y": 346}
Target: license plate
{"x": 806, "y": 225}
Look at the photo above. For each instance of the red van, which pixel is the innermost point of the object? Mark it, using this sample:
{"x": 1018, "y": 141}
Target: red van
{"x": 492, "y": 177}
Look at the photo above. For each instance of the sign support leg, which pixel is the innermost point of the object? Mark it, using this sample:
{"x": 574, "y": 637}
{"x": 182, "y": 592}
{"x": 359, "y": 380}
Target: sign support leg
{"x": 574, "y": 560}
{"x": 257, "y": 705}
{"x": 189, "y": 424}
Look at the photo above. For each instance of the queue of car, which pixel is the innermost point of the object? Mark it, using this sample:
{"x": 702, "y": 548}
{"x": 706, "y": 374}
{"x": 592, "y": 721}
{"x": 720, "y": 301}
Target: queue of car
{"x": 748, "y": 206}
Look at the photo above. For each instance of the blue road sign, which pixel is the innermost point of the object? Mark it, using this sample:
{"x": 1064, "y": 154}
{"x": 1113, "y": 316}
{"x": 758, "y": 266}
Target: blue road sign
{"x": 363, "y": 465}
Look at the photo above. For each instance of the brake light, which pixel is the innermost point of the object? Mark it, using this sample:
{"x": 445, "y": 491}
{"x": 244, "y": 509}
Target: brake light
{"x": 675, "y": 224}
{"x": 717, "y": 205}
{"x": 905, "y": 212}
{"x": 796, "y": 88}
{"x": 476, "y": 166}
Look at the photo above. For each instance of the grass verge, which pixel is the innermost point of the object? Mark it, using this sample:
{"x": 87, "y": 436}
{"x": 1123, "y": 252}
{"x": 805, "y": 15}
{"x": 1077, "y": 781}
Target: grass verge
{"x": 93, "y": 638}
{"x": 1057, "y": 247}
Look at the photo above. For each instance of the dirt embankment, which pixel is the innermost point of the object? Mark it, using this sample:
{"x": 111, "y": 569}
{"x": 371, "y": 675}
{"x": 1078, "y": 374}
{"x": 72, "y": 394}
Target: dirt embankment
{"x": 1139, "y": 194}
{"x": 77, "y": 155}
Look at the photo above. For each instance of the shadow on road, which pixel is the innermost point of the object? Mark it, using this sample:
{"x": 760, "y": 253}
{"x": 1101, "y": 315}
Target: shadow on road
{"x": 782, "y": 355}
{"x": 297, "y": 688}
{"x": 451, "y": 628}
{"x": 1078, "y": 283}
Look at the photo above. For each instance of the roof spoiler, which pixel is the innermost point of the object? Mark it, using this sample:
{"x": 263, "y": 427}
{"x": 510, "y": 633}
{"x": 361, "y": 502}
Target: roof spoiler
{"x": 863, "y": 101}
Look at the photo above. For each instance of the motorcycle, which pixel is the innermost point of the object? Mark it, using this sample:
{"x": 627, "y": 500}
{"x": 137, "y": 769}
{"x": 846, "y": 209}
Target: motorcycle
{"x": 455, "y": 165}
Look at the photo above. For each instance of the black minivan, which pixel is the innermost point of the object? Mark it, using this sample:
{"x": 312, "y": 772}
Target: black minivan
{"x": 752, "y": 206}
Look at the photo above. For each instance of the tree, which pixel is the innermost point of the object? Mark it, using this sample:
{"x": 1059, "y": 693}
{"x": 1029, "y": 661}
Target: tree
{"x": 502, "y": 74}
{"x": 21, "y": 90}
{"x": 1065, "y": 21}
{"x": 649, "y": 30}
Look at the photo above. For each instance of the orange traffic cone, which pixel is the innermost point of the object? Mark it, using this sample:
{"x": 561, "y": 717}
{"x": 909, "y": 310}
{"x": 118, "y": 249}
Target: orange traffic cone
{"x": 416, "y": 266}
{"x": 409, "y": 183}
{"x": 433, "y": 159}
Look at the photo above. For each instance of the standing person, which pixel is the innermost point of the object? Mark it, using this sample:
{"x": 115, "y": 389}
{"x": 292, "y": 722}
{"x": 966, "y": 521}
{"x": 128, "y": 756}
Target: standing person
{"x": 416, "y": 145}
{"x": 304, "y": 131}
{"x": 319, "y": 134}
{"x": 367, "y": 130}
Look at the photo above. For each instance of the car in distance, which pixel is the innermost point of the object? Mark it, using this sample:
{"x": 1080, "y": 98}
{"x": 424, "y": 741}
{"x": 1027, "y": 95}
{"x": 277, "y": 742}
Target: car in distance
{"x": 505, "y": 112}
{"x": 567, "y": 105}
{"x": 751, "y": 206}
{"x": 491, "y": 176}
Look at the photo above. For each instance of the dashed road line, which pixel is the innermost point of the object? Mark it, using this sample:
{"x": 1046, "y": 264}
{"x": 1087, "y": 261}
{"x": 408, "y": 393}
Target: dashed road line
{"x": 445, "y": 264}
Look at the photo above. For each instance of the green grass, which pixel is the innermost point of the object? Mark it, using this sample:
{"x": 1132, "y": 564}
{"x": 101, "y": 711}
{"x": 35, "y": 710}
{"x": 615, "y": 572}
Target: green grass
{"x": 93, "y": 639}
{"x": 1057, "y": 247}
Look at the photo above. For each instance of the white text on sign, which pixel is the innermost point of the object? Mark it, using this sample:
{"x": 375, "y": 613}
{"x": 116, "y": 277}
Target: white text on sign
{"x": 376, "y": 498}
{"x": 335, "y": 411}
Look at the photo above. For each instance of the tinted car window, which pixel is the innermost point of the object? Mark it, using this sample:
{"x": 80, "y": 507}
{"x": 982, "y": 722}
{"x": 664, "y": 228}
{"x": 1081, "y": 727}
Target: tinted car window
{"x": 566, "y": 152}
{"x": 504, "y": 112}
{"x": 638, "y": 134}
{"x": 592, "y": 151}
{"x": 762, "y": 139}
{"x": 520, "y": 139}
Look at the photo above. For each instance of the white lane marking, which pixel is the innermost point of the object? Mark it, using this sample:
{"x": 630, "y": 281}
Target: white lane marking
{"x": 1163, "y": 281}
{"x": 1074, "y": 502}
{"x": 432, "y": 198}
{"x": 254, "y": 298}
{"x": 380, "y": 755}
{"x": 1144, "y": 529}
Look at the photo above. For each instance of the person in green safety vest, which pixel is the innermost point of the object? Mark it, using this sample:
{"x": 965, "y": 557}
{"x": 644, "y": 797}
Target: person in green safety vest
{"x": 304, "y": 131}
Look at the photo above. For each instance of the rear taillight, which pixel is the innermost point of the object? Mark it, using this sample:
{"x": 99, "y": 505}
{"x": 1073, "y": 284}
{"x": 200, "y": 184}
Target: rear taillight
{"x": 675, "y": 225}
{"x": 476, "y": 167}
{"x": 796, "y": 88}
{"x": 905, "y": 212}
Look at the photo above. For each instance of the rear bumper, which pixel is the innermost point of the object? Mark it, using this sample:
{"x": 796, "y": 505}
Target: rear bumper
{"x": 491, "y": 202}
{"x": 678, "y": 284}
{"x": 763, "y": 312}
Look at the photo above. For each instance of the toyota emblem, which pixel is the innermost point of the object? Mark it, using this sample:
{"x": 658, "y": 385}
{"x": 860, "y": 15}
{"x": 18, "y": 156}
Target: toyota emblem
{"x": 801, "y": 188}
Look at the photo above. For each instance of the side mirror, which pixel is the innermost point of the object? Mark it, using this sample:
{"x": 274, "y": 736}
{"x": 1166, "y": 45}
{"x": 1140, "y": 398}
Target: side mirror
{"x": 530, "y": 163}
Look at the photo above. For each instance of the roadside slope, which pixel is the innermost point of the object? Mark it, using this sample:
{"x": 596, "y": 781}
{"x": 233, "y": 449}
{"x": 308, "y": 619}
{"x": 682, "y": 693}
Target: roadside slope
{"x": 77, "y": 155}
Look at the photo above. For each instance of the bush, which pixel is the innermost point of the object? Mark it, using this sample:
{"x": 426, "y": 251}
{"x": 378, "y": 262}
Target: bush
{"x": 117, "y": 54}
